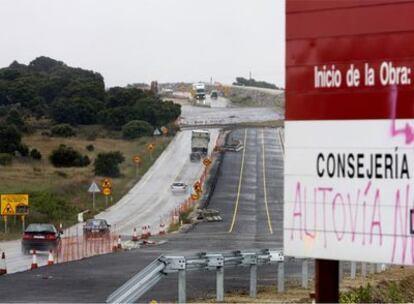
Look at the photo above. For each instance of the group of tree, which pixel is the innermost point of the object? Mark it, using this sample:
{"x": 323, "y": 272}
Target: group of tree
{"x": 49, "y": 88}
{"x": 240, "y": 81}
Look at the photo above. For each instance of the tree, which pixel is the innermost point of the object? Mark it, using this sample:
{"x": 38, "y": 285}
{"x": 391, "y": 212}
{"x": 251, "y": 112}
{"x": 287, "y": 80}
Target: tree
{"x": 14, "y": 118}
{"x": 65, "y": 156}
{"x": 136, "y": 128}
{"x": 51, "y": 89}
{"x": 75, "y": 110}
{"x": 35, "y": 154}
{"x": 63, "y": 130}
{"x": 107, "y": 164}
{"x": 10, "y": 139}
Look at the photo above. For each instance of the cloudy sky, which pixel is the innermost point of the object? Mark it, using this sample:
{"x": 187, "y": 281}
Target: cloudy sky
{"x": 131, "y": 41}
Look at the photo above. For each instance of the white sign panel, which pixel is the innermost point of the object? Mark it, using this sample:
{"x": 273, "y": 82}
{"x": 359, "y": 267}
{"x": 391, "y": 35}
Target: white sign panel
{"x": 349, "y": 193}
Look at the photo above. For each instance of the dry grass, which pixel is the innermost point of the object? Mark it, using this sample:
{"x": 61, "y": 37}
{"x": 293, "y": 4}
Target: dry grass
{"x": 295, "y": 294}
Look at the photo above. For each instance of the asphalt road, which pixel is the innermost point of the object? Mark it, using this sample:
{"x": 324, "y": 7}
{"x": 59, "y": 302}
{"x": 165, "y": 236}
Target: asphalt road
{"x": 249, "y": 195}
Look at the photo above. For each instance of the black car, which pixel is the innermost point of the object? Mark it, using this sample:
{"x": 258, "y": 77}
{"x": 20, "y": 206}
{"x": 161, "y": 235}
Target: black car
{"x": 96, "y": 228}
{"x": 41, "y": 237}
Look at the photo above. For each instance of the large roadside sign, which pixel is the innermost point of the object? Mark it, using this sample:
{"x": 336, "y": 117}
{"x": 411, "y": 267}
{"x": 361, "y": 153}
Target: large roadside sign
{"x": 349, "y": 131}
{"x": 14, "y": 204}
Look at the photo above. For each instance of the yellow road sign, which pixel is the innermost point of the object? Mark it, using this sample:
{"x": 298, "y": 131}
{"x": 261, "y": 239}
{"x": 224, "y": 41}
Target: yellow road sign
{"x": 14, "y": 204}
{"x": 206, "y": 162}
{"x": 150, "y": 147}
{"x": 164, "y": 130}
{"x": 106, "y": 183}
{"x": 136, "y": 159}
{"x": 107, "y": 191}
{"x": 197, "y": 187}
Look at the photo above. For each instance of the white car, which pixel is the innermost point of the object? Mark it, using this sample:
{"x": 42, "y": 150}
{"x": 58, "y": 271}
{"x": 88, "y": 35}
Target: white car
{"x": 178, "y": 187}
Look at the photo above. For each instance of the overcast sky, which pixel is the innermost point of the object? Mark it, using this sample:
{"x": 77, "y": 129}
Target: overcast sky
{"x": 130, "y": 41}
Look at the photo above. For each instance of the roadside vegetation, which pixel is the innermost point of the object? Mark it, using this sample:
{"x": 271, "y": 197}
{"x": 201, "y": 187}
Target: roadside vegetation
{"x": 60, "y": 130}
{"x": 391, "y": 286}
{"x": 241, "y": 81}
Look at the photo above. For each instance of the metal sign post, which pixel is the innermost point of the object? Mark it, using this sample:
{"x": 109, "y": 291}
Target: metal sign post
{"x": 326, "y": 281}
{"x": 93, "y": 189}
{"x": 137, "y": 161}
{"x": 5, "y": 223}
{"x": 23, "y": 223}
{"x": 150, "y": 148}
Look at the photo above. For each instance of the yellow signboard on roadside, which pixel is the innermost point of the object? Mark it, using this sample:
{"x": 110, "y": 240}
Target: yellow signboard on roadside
{"x": 107, "y": 191}
{"x": 14, "y": 204}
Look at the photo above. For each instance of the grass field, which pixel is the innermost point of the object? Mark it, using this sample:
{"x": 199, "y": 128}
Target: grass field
{"x": 71, "y": 184}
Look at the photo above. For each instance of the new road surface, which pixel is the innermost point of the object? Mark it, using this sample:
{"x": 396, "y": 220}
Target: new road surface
{"x": 248, "y": 194}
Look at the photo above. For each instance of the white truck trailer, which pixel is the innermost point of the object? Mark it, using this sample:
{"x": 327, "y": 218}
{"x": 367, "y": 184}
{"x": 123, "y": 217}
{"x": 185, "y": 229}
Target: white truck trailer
{"x": 199, "y": 144}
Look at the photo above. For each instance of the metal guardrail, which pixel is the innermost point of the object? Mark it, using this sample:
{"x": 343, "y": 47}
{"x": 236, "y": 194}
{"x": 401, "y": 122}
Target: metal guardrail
{"x": 138, "y": 285}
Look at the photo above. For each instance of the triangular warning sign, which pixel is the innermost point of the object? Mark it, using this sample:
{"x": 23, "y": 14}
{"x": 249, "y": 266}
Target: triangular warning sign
{"x": 8, "y": 210}
{"x": 94, "y": 188}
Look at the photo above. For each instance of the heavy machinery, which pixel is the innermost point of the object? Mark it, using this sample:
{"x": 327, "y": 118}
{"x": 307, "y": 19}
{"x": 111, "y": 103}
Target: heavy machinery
{"x": 199, "y": 144}
{"x": 198, "y": 91}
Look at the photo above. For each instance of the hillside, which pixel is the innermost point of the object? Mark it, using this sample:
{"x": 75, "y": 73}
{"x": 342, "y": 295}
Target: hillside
{"x": 60, "y": 130}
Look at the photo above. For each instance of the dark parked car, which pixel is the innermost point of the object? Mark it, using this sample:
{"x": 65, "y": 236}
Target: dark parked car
{"x": 42, "y": 237}
{"x": 96, "y": 228}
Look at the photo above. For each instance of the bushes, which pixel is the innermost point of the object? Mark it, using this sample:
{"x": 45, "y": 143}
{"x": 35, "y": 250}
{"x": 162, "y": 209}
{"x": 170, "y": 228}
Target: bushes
{"x": 23, "y": 150}
{"x": 10, "y": 139}
{"x": 35, "y": 154}
{"x": 5, "y": 159}
{"x": 90, "y": 148}
{"x": 136, "y": 128}
{"x": 63, "y": 130}
{"x": 51, "y": 206}
{"x": 107, "y": 164}
{"x": 14, "y": 118}
{"x": 68, "y": 157}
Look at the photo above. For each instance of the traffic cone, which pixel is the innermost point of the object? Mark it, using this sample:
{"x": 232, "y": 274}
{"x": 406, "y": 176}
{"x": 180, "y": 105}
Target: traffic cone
{"x": 50, "y": 259}
{"x": 162, "y": 229}
{"x": 34, "y": 261}
{"x": 3, "y": 268}
{"x": 149, "y": 231}
{"x": 134, "y": 235}
{"x": 119, "y": 244}
{"x": 144, "y": 234}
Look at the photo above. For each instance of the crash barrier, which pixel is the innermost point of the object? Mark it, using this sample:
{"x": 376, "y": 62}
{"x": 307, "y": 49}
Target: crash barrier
{"x": 138, "y": 285}
{"x": 288, "y": 269}
{"x": 351, "y": 269}
{"x": 76, "y": 246}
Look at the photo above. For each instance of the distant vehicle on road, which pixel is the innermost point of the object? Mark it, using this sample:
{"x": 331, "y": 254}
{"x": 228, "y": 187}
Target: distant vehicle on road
{"x": 199, "y": 144}
{"x": 214, "y": 94}
{"x": 96, "y": 228}
{"x": 178, "y": 187}
{"x": 198, "y": 91}
{"x": 41, "y": 237}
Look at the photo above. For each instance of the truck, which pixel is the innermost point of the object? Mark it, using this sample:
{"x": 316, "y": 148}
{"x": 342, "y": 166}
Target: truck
{"x": 198, "y": 91}
{"x": 199, "y": 144}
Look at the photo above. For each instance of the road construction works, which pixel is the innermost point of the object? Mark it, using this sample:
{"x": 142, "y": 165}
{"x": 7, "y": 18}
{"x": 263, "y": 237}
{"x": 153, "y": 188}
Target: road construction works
{"x": 148, "y": 203}
{"x": 248, "y": 195}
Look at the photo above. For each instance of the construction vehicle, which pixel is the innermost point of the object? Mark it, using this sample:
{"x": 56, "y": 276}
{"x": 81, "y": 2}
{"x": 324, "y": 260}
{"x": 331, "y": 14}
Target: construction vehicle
{"x": 199, "y": 144}
{"x": 198, "y": 91}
